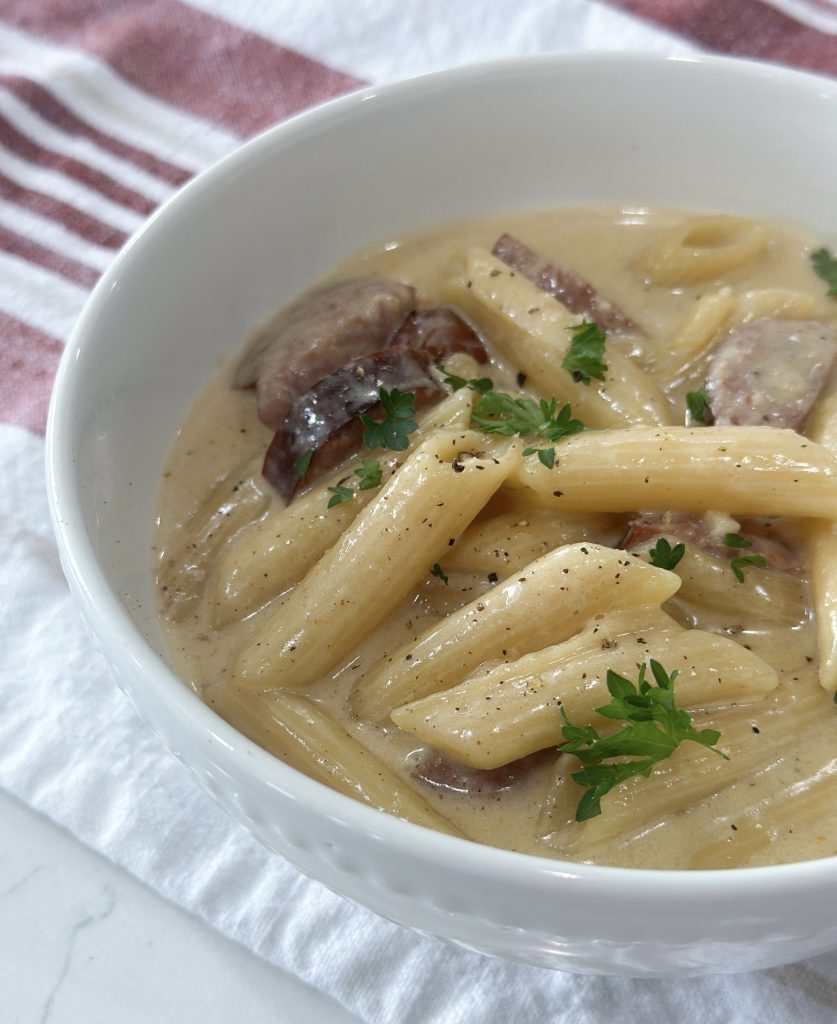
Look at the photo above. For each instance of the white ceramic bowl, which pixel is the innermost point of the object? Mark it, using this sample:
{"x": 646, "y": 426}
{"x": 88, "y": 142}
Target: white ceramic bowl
{"x": 249, "y": 234}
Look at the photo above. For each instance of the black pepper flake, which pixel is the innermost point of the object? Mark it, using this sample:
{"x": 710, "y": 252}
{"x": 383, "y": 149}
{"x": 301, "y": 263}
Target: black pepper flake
{"x": 558, "y": 494}
{"x": 756, "y": 730}
{"x": 521, "y": 379}
{"x": 492, "y": 577}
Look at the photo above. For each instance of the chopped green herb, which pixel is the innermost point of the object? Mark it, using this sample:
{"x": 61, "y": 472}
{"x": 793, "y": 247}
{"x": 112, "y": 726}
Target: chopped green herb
{"x": 735, "y": 540}
{"x": 398, "y": 423}
{"x": 478, "y": 384}
{"x": 339, "y": 495}
{"x": 583, "y": 360}
{"x": 737, "y": 564}
{"x": 825, "y": 267}
{"x": 664, "y": 556}
{"x": 697, "y": 402}
{"x": 303, "y": 462}
{"x": 546, "y": 456}
{"x": 655, "y": 729}
{"x": 369, "y": 474}
{"x": 439, "y": 573}
{"x": 499, "y": 413}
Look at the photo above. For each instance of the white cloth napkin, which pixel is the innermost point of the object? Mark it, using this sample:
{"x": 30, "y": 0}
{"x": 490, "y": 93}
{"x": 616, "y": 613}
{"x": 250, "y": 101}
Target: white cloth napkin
{"x": 128, "y": 127}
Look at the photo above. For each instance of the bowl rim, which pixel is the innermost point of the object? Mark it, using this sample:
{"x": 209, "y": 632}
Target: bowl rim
{"x": 130, "y": 651}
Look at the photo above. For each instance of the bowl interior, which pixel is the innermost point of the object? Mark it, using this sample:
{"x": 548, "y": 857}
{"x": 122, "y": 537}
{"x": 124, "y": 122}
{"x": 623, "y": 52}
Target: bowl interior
{"x": 247, "y": 236}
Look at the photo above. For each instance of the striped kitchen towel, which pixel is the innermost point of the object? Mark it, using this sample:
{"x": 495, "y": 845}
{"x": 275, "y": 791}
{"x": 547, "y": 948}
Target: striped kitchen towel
{"x": 106, "y": 108}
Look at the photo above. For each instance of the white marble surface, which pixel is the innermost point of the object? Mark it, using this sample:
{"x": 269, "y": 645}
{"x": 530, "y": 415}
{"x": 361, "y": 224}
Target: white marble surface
{"x": 81, "y": 942}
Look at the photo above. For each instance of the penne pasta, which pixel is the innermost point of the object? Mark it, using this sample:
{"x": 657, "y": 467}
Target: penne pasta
{"x": 741, "y": 470}
{"x": 235, "y": 502}
{"x": 299, "y": 732}
{"x": 706, "y": 319}
{"x": 507, "y": 542}
{"x": 821, "y": 550}
{"x": 573, "y": 583}
{"x": 763, "y": 598}
{"x": 783, "y": 303}
{"x": 636, "y": 809}
{"x": 504, "y": 713}
{"x": 702, "y": 249}
{"x": 533, "y": 330}
{"x": 383, "y": 555}
{"x": 276, "y": 552}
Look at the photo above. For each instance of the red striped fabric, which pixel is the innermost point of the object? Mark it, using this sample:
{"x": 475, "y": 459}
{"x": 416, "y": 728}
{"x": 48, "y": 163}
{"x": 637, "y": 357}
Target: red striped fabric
{"x": 743, "y": 28}
{"x": 80, "y": 223}
{"x": 186, "y": 57}
{"x": 28, "y": 361}
{"x": 30, "y": 151}
{"x": 42, "y": 256}
{"x": 190, "y": 60}
{"x": 43, "y": 102}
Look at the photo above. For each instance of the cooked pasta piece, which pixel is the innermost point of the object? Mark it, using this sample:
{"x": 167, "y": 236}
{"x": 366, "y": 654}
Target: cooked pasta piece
{"x": 299, "y": 732}
{"x": 764, "y": 597}
{"x": 505, "y": 543}
{"x": 779, "y": 303}
{"x": 701, "y": 249}
{"x": 276, "y": 552}
{"x": 754, "y": 738}
{"x": 705, "y": 320}
{"x": 821, "y": 549}
{"x": 548, "y": 602}
{"x": 508, "y": 711}
{"x": 237, "y": 500}
{"x": 389, "y": 548}
{"x": 741, "y": 470}
{"x": 533, "y": 330}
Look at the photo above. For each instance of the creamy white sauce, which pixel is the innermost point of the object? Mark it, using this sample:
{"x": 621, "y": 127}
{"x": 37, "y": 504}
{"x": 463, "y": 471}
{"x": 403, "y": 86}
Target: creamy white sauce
{"x": 784, "y": 810}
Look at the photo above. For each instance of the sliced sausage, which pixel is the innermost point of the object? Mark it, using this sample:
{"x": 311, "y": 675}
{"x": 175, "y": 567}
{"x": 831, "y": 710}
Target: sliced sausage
{"x": 574, "y": 292}
{"x": 324, "y": 418}
{"x": 439, "y": 771}
{"x": 707, "y": 534}
{"x": 440, "y": 332}
{"x": 770, "y": 372}
{"x": 318, "y": 334}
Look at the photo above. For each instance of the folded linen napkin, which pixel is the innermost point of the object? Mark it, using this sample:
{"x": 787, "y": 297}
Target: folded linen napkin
{"x": 106, "y": 107}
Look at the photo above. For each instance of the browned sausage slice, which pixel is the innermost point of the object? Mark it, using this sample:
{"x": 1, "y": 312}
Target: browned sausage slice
{"x": 324, "y": 419}
{"x": 574, "y": 292}
{"x": 441, "y": 772}
{"x": 770, "y": 372}
{"x": 316, "y": 335}
{"x": 679, "y": 527}
{"x": 441, "y": 333}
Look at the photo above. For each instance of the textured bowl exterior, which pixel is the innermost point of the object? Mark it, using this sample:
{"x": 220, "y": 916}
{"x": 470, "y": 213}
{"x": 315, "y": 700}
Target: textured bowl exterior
{"x": 249, "y": 234}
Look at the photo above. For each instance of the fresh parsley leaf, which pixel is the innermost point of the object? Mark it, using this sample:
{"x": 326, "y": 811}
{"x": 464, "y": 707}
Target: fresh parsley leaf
{"x": 478, "y": 384}
{"x": 398, "y": 423}
{"x": 825, "y": 267}
{"x": 339, "y": 495}
{"x": 697, "y": 402}
{"x": 546, "y": 456}
{"x": 439, "y": 573}
{"x": 664, "y": 556}
{"x": 583, "y": 360}
{"x": 369, "y": 474}
{"x": 498, "y": 413}
{"x": 303, "y": 462}
{"x": 735, "y": 540}
{"x": 655, "y": 729}
{"x": 737, "y": 564}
